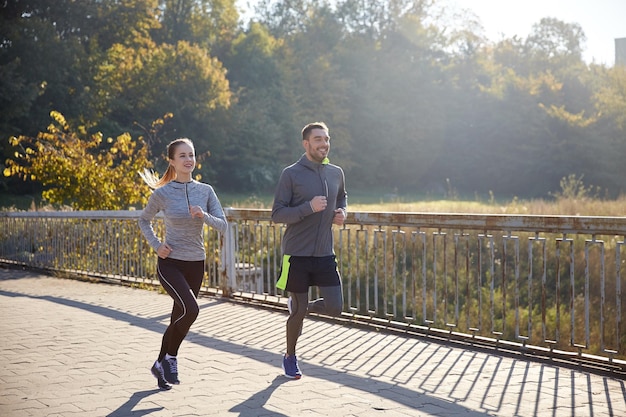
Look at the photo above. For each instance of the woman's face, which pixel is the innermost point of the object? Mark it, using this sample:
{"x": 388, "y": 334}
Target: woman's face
{"x": 184, "y": 160}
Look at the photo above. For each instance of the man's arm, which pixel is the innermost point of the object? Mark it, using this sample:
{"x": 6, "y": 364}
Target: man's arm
{"x": 342, "y": 201}
{"x": 282, "y": 212}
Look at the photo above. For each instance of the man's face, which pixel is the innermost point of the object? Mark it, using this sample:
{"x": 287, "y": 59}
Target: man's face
{"x": 317, "y": 145}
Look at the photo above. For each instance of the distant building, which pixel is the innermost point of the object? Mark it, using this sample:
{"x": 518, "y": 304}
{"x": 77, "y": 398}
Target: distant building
{"x": 620, "y": 51}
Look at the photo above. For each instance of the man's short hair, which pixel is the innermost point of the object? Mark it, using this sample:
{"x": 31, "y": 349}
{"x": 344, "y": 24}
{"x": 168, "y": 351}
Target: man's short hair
{"x": 306, "y": 131}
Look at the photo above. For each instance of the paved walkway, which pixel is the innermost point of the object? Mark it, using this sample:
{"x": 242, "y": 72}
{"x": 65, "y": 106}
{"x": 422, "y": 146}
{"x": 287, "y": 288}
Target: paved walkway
{"x": 72, "y": 348}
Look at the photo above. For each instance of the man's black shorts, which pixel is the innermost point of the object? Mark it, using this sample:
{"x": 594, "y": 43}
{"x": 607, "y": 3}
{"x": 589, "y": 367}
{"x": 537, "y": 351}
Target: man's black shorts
{"x": 301, "y": 272}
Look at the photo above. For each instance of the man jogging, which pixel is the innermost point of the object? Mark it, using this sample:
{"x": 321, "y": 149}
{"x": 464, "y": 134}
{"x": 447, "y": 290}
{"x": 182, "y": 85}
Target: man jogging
{"x": 309, "y": 199}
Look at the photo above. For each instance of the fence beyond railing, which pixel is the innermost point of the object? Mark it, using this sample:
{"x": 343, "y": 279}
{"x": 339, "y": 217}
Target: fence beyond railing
{"x": 547, "y": 285}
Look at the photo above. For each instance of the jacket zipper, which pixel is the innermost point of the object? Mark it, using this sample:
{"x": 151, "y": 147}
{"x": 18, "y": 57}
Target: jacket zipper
{"x": 187, "y": 197}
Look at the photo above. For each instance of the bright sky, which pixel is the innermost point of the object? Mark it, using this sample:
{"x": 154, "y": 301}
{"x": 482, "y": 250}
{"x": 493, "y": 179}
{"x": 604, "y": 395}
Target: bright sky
{"x": 602, "y": 20}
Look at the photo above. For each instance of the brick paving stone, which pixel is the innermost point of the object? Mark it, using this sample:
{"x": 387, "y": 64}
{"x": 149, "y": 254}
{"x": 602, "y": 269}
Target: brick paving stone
{"x": 75, "y": 348}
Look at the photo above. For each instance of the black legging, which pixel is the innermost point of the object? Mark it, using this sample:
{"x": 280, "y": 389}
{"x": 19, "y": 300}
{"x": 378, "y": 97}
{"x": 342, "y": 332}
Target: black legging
{"x": 330, "y": 303}
{"x": 182, "y": 281}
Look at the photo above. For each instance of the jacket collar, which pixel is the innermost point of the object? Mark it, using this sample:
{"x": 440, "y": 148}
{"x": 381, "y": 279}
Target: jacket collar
{"x": 310, "y": 164}
{"x": 180, "y": 185}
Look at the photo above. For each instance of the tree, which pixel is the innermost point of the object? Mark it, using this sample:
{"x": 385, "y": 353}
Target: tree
{"x": 41, "y": 53}
{"x": 136, "y": 85}
{"x": 281, "y": 84}
{"x": 78, "y": 170}
{"x": 48, "y": 55}
{"x": 389, "y": 67}
{"x": 207, "y": 23}
{"x": 410, "y": 100}
{"x": 557, "y": 41}
{"x": 257, "y": 130}
{"x": 610, "y": 129}
{"x": 611, "y": 97}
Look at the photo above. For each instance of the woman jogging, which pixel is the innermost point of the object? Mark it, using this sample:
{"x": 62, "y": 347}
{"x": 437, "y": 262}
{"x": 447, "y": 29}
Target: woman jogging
{"x": 187, "y": 206}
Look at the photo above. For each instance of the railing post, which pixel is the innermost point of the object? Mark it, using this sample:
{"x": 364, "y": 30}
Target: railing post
{"x": 227, "y": 253}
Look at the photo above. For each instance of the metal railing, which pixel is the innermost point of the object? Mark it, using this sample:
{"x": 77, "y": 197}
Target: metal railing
{"x": 547, "y": 286}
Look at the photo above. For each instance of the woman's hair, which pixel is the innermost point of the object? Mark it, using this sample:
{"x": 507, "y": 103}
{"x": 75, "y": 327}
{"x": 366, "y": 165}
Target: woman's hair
{"x": 152, "y": 179}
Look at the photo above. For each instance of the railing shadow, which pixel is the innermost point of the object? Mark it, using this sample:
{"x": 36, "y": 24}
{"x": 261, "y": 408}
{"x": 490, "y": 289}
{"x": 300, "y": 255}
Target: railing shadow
{"x": 418, "y": 368}
{"x": 406, "y": 370}
{"x": 389, "y": 391}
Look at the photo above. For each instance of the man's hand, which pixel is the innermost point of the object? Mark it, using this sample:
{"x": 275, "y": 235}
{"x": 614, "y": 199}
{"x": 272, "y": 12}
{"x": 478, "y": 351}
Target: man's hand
{"x": 340, "y": 217}
{"x": 318, "y": 203}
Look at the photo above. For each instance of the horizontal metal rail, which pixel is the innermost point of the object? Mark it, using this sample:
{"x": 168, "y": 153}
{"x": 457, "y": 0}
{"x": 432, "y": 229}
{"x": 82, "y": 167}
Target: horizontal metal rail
{"x": 548, "y": 286}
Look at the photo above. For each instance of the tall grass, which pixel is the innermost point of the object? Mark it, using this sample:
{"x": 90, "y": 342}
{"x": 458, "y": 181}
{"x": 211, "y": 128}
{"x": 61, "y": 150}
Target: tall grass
{"x": 560, "y": 205}
{"x": 573, "y": 199}
{"x": 565, "y": 206}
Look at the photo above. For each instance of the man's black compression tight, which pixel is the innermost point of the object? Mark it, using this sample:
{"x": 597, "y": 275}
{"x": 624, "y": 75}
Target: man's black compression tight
{"x": 330, "y": 303}
{"x": 182, "y": 281}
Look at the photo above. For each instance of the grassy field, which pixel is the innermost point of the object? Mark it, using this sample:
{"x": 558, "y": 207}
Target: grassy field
{"x": 568, "y": 206}
{"x": 561, "y": 205}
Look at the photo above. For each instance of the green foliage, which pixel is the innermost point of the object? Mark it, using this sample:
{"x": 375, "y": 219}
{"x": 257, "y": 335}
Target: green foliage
{"x": 611, "y": 97}
{"x": 133, "y": 84}
{"x": 207, "y": 23}
{"x": 413, "y": 94}
{"x": 78, "y": 170}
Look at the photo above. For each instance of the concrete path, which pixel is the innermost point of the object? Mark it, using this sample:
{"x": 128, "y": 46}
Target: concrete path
{"x": 72, "y": 348}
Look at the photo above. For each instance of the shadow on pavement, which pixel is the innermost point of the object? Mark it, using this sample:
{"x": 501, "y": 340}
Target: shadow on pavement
{"x": 255, "y": 404}
{"x": 126, "y": 409}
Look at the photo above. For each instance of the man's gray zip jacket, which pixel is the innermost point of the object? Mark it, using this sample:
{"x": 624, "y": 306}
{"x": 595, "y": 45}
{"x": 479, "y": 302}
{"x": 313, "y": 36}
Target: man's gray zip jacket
{"x": 308, "y": 233}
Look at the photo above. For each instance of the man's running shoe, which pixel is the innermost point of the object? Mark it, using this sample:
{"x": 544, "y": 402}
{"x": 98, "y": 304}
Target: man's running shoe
{"x": 290, "y": 367}
{"x": 170, "y": 369}
{"x": 157, "y": 371}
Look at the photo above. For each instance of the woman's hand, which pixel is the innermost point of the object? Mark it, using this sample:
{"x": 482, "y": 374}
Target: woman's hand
{"x": 164, "y": 250}
{"x": 196, "y": 211}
